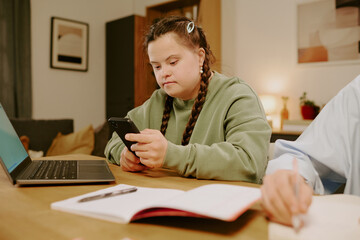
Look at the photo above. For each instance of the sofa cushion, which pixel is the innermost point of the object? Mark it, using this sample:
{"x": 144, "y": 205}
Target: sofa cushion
{"x": 78, "y": 142}
{"x": 41, "y": 132}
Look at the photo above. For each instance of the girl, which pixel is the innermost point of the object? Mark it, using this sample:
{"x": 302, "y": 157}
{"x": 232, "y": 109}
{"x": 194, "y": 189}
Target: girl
{"x": 200, "y": 123}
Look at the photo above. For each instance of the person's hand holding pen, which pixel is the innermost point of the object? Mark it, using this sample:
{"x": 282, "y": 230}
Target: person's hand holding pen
{"x": 285, "y": 196}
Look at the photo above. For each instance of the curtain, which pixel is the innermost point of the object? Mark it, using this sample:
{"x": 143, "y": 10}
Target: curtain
{"x": 15, "y": 58}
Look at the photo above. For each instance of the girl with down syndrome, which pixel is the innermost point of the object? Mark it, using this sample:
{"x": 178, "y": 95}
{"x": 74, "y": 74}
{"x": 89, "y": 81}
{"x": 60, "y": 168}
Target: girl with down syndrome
{"x": 200, "y": 123}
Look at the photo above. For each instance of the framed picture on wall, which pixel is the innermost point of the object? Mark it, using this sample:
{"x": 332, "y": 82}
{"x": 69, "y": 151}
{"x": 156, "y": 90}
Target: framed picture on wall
{"x": 328, "y": 31}
{"x": 69, "y": 44}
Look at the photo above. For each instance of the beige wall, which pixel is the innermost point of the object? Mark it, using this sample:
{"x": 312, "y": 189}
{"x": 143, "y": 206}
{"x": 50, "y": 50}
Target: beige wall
{"x": 71, "y": 94}
{"x": 258, "y": 45}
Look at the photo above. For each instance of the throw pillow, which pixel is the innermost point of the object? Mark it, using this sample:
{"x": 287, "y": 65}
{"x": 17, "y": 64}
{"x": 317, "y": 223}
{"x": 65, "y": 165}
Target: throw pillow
{"x": 25, "y": 141}
{"x": 78, "y": 142}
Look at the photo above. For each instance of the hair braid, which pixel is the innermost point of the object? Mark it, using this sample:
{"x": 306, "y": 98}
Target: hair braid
{"x": 166, "y": 114}
{"x": 198, "y": 105}
{"x": 204, "y": 82}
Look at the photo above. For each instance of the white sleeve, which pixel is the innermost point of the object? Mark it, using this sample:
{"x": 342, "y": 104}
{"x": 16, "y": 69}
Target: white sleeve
{"x": 285, "y": 151}
{"x": 327, "y": 149}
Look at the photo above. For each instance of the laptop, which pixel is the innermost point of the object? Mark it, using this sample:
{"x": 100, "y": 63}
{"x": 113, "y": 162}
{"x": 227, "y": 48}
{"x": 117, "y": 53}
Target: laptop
{"x": 22, "y": 170}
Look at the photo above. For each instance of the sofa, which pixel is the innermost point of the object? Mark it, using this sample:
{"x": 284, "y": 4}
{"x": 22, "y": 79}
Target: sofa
{"x": 41, "y": 133}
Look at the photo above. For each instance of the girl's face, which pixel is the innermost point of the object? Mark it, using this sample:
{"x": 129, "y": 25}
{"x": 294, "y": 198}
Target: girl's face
{"x": 176, "y": 66}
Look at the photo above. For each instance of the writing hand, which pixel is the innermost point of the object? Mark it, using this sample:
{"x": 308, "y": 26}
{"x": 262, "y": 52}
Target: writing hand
{"x": 278, "y": 197}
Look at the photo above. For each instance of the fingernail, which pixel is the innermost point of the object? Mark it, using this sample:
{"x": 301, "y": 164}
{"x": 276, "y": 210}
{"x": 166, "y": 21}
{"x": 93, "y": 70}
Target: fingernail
{"x": 296, "y": 222}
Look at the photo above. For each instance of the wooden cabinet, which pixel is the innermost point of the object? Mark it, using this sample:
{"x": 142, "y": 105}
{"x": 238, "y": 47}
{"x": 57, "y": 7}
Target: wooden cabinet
{"x": 126, "y": 83}
{"x": 210, "y": 20}
{"x": 188, "y": 8}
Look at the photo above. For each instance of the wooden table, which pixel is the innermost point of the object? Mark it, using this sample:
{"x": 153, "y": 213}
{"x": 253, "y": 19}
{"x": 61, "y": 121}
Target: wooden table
{"x": 25, "y": 212}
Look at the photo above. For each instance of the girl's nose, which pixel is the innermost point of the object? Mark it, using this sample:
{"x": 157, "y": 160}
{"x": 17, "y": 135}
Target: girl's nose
{"x": 165, "y": 72}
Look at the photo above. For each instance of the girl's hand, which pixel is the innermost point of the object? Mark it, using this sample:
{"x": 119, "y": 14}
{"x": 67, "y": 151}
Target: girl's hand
{"x": 278, "y": 196}
{"x": 151, "y": 147}
{"x": 129, "y": 162}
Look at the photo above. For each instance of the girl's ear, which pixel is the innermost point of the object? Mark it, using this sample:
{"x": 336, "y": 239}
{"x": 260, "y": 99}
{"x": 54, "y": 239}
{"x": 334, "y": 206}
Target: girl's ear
{"x": 201, "y": 53}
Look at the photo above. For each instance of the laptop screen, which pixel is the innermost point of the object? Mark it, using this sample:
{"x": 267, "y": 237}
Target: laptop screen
{"x": 12, "y": 152}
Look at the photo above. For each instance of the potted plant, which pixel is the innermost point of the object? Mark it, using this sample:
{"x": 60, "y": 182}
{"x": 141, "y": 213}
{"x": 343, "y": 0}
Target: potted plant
{"x": 309, "y": 110}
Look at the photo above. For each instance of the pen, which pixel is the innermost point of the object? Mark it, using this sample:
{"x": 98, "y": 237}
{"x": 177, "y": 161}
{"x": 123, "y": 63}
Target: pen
{"x": 109, "y": 194}
{"x": 296, "y": 221}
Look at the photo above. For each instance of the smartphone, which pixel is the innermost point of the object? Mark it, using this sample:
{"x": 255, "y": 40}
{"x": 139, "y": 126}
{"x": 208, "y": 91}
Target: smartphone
{"x": 122, "y": 126}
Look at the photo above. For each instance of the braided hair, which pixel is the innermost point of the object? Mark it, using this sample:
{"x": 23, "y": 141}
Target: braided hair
{"x": 192, "y": 39}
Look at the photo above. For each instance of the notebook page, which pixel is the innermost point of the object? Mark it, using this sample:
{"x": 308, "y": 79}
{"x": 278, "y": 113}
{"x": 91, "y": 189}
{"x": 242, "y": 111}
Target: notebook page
{"x": 118, "y": 208}
{"x": 221, "y": 201}
{"x": 329, "y": 217}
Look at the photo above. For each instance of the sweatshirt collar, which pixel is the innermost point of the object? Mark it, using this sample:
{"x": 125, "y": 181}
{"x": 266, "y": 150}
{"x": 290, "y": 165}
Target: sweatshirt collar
{"x": 189, "y": 103}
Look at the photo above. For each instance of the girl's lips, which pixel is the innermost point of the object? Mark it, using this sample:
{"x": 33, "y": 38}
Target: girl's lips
{"x": 166, "y": 83}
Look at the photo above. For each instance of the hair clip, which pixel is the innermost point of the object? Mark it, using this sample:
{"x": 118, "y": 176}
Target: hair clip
{"x": 190, "y": 27}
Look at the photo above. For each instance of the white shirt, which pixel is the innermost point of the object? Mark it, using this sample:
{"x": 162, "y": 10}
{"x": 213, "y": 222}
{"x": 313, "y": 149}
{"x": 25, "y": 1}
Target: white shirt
{"x": 328, "y": 151}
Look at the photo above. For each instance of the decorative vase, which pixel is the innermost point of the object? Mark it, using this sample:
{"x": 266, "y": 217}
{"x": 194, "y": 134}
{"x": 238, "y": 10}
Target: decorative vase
{"x": 284, "y": 111}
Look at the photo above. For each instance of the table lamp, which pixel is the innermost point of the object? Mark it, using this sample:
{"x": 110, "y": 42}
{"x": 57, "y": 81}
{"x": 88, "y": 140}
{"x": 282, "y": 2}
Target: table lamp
{"x": 269, "y": 104}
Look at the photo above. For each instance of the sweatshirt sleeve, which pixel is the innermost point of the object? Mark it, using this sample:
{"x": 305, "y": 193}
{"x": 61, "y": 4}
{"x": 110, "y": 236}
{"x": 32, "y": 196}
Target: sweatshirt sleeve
{"x": 242, "y": 153}
{"x": 113, "y": 149}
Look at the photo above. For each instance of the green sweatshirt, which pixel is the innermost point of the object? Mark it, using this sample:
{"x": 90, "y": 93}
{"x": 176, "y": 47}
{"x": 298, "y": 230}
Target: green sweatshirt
{"x": 230, "y": 138}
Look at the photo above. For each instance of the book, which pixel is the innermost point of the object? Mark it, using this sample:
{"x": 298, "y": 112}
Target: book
{"x": 295, "y": 125}
{"x": 218, "y": 201}
{"x": 329, "y": 217}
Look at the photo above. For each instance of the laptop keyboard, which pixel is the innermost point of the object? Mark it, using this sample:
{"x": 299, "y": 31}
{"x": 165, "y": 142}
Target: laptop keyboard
{"x": 55, "y": 170}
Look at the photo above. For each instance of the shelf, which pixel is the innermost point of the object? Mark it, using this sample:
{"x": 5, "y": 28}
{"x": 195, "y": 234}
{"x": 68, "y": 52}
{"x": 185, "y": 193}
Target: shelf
{"x": 286, "y": 135}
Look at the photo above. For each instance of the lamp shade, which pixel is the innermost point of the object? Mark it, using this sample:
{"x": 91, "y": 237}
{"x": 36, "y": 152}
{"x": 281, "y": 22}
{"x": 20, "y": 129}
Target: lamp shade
{"x": 269, "y": 103}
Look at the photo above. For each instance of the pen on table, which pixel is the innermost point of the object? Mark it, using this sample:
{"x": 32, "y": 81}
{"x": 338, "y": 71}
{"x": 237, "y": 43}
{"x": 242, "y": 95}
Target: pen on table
{"x": 296, "y": 220}
{"x": 108, "y": 194}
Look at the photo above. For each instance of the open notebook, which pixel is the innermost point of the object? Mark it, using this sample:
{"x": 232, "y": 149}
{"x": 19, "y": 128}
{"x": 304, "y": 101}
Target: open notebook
{"x": 218, "y": 201}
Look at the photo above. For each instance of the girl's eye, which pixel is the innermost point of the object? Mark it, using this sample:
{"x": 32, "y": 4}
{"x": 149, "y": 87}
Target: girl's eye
{"x": 173, "y": 62}
{"x": 156, "y": 67}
